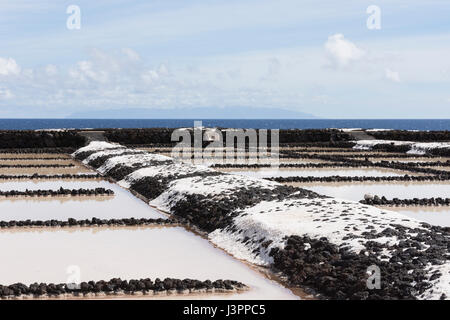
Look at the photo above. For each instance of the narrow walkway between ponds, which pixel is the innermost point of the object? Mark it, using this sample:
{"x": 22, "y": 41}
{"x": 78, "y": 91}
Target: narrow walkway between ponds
{"x": 93, "y": 135}
{"x": 361, "y": 135}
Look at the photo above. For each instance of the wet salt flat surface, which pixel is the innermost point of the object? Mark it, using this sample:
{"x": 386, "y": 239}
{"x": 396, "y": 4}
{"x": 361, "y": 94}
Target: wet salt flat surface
{"x": 356, "y": 191}
{"x": 440, "y": 168}
{"x": 52, "y": 184}
{"x": 406, "y": 160}
{"x": 267, "y": 172}
{"x": 43, "y": 255}
{"x": 38, "y": 161}
{"x": 122, "y": 205}
{"x": 47, "y": 171}
{"x": 433, "y": 215}
{"x": 34, "y": 155}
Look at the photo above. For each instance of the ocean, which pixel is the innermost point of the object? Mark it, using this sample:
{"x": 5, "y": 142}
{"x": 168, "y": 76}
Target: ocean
{"x": 400, "y": 124}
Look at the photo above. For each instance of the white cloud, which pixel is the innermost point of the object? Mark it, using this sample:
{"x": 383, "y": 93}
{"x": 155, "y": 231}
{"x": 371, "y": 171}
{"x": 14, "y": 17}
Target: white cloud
{"x": 294, "y": 78}
{"x": 163, "y": 70}
{"x": 131, "y": 54}
{"x": 5, "y": 93}
{"x": 8, "y": 66}
{"x": 150, "y": 76}
{"x": 51, "y": 70}
{"x": 273, "y": 69}
{"x": 392, "y": 75}
{"x": 86, "y": 71}
{"x": 341, "y": 51}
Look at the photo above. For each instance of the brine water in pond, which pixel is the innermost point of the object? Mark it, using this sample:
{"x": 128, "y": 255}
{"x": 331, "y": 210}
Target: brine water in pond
{"x": 121, "y": 205}
{"x": 322, "y": 172}
{"x": 44, "y": 255}
{"x": 356, "y": 191}
{"x": 439, "y": 216}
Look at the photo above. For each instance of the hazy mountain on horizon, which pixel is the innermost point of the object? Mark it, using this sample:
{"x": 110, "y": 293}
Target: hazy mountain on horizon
{"x": 193, "y": 113}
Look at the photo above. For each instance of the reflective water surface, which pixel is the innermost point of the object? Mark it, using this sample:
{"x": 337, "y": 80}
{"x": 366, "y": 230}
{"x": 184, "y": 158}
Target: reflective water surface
{"x": 321, "y": 172}
{"x": 433, "y": 215}
{"x": 122, "y": 205}
{"x": 356, "y": 191}
{"x": 43, "y": 255}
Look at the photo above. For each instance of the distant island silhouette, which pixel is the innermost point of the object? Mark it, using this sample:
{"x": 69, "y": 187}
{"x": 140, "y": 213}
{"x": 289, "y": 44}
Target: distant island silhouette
{"x": 193, "y": 113}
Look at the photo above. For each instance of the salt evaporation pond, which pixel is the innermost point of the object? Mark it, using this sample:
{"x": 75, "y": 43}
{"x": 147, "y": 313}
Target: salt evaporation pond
{"x": 433, "y": 215}
{"x": 34, "y": 155}
{"x": 355, "y": 191}
{"x": 406, "y": 160}
{"x": 322, "y": 172}
{"x": 122, "y": 205}
{"x": 43, "y": 255}
{"x": 47, "y": 171}
{"x": 22, "y": 185}
{"x": 38, "y": 161}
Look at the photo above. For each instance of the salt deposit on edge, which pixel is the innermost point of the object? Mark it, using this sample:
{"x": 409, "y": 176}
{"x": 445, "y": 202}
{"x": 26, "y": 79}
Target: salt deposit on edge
{"x": 418, "y": 148}
{"x": 129, "y": 160}
{"x": 173, "y": 169}
{"x": 97, "y": 146}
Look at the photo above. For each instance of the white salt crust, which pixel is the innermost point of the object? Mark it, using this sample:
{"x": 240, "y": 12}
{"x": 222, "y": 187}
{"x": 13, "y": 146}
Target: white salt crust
{"x": 163, "y": 171}
{"x": 97, "y": 146}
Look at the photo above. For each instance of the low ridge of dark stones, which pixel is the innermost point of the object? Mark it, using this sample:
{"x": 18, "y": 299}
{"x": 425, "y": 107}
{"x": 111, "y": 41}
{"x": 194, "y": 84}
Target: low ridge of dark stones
{"x": 358, "y": 178}
{"x": 71, "y": 222}
{"x": 31, "y": 150}
{"x": 58, "y": 192}
{"x": 288, "y": 165}
{"x": 54, "y": 176}
{"x": 33, "y": 158}
{"x": 118, "y": 286}
{"x": 68, "y": 165}
{"x": 382, "y": 201}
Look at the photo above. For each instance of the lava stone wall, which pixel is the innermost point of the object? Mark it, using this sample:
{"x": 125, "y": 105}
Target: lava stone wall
{"x": 140, "y": 136}
{"x": 163, "y": 136}
{"x": 421, "y": 136}
{"x": 11, "y": 139}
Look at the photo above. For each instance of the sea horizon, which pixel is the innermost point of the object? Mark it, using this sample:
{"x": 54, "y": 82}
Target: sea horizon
{"x": 85, "y": 123}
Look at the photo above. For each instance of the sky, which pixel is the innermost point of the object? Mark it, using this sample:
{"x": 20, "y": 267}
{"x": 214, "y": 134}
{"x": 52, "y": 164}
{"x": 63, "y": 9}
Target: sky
{"x": 314, "y": 56}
